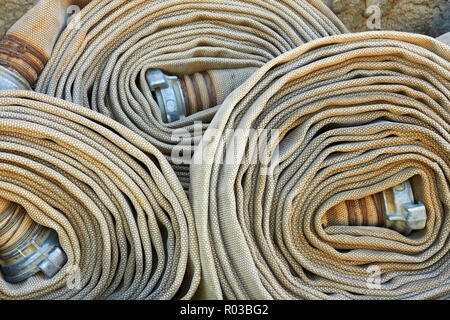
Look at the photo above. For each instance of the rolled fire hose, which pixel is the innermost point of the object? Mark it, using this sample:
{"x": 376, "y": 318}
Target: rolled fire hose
{"x": 297, "y": 179}
{"x": 209, "y": 46}
{"x": 126, "y": 228}
{"x": 121, "y": 215}
{"x": 27, "y": 248}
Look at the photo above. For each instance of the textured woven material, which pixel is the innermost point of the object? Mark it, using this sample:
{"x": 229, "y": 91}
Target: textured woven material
{"x": 356, "y": 114}
{"x": 41, "y": 25}
{"x": 121, "y": 214}
{"x": 28, "y": 44}
{"x": 101, "y": 65}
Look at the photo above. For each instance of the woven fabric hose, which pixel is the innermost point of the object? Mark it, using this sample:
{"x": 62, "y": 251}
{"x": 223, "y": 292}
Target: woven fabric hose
{"x": 28, "y": 44}
{"x": 345, "y": 117}
{"x": 101, "y": 61}
{"x": 121, "y": 214}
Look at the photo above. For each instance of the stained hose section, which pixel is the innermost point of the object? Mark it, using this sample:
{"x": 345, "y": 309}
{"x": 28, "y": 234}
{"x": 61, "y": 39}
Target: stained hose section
{"x": 28, "y": 44}
{"x": 347, "y": 117}
{"x": 120, "y": 212}
{"x": 101, "y": 63}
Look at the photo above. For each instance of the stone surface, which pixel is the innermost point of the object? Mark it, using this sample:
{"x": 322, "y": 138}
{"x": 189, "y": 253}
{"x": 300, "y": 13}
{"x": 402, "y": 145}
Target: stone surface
{"x": 11, "y": 11}
{"x": 430, "y": 17}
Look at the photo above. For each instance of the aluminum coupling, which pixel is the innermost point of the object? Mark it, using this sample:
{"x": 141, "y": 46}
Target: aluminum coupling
{"x": 11, "y": 80}
{"x": 401, "y": 211}
{"x": 27, "y": 248}
{"x": 179, "y": 97}
{"x": 167, "y": 90}
{"x": 394, "y": 208}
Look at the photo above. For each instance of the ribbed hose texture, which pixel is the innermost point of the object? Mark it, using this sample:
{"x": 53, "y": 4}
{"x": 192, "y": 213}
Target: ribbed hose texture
{"x": 101, "y": 63}
{"x": 121, "y": 214}
{"x": 29, "y": 42}
{"x": 353, "y": 115}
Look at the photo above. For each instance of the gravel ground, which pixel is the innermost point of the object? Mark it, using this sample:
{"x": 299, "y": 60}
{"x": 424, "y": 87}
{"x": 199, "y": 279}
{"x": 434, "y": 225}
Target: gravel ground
{"x": 431, "y": 17}
{"x": 11, "y": 11}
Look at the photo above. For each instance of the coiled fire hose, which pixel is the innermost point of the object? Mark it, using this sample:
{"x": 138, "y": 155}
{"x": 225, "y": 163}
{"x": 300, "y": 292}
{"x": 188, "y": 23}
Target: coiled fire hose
{"x": 26, "y": 247}
{"x": 126, "y": 228}
{"x": 121, "y": 214}
{"x": 298, "y": 175}
{"x": 209, "y": 46}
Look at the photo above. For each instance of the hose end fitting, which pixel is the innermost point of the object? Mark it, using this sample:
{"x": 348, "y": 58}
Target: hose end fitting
{"x": 183, "y": 96}
{"x": 27, "y": 248}
{"x": 11, "y": 80}
{"x": 22, "y": 58}
{"x": 169, "y": 96}
{"x": 394, "y": 208}
{"x": 401, "y": 211}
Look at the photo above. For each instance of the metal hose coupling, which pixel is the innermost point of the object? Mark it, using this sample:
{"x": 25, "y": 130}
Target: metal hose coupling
{"x": 401, "y": 211}
{"x": 394, "y": 208}
{"x": 26, "y": 248}
{"x": 181, "y": 96}
{"x": 11, "y": 80}
{"x": 21, "y": 58}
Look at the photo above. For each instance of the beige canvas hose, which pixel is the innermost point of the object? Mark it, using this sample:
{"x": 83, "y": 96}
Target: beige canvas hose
{"x": 101, "y": 64}
{"x": 28, "y": 44}
{"x": 121, "y": 214}
{"x": 27, "y": 248}
{"x": 349, "y": 116}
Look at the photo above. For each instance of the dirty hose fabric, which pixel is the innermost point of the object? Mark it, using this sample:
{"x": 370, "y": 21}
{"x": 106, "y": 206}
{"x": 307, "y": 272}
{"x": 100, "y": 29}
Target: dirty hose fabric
{"x": 100, "y": 61}
{"x": 120, "y": 212}
{"x": 350, "y": 116}
{"x": 28, "y": 44}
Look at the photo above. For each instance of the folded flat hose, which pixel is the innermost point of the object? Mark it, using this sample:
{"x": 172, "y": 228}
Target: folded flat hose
{"x": 102, "y": 64}
{"x": 353, "y": 115}
{"x": 26, "y": 247}
{"x": 28, "y": 44}
{"x": 121, "y": 215}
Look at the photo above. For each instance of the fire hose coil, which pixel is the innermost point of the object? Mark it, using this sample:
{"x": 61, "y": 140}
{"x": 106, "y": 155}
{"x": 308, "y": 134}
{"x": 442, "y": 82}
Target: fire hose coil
{"x": 121, "y": 215}
{"x": 350, "y": 116}
{"x": 102, "y": 62}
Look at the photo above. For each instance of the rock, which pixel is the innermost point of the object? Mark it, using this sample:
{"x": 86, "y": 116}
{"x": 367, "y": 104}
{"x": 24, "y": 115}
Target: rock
{"x": 441, "y": 19}
{"x": 11, "y": 11}
{"x": 430, "y": 17}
